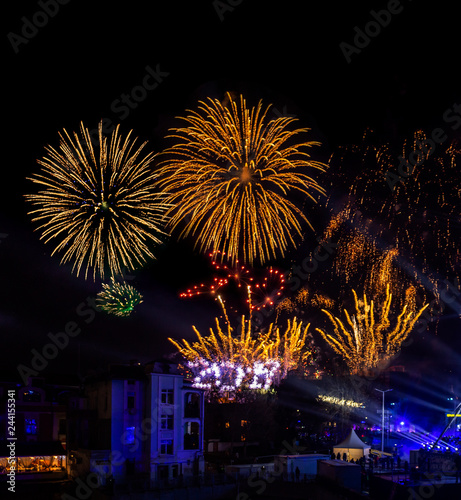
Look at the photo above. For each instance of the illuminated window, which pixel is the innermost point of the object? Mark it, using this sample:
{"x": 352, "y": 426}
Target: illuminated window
{"x": 167, "y": 396}
{"x": 166, "y": 447}
{"x": 227, "y": 425}
{"x": 243, "y": 437}
{"x": 30, "y": 425}
{"x": 166, "y": 422}
{"x": 243, "y": 423}
{"x": 129, "y": 435}
{"x": 31, "y": 397}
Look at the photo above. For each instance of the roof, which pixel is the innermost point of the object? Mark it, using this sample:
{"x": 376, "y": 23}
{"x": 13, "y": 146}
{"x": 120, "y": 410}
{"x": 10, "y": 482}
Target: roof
{"x": 339, "y": 463}
{"x": 352, "y": 441}
{"x": 37, "y": 448}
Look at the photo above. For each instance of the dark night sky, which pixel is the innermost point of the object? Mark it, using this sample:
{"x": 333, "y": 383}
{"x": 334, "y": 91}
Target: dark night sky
{"x": 90, "y": 53}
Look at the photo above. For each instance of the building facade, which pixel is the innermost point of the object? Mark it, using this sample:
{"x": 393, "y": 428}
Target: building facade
{"x": 39, "y": 426}
{"x": 139, "y": 423}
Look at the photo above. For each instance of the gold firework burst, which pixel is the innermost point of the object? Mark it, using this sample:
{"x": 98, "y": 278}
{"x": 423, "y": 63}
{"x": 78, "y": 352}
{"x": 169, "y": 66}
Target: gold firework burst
{"x": 98, "y": 202}
{"x": 227, "y": 355}
{"x": 229, "y": 177}
{"x": 368, "y": 338}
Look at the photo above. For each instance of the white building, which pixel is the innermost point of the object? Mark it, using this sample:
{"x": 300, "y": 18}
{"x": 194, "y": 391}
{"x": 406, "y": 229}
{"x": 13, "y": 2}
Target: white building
{"x": 140, "y": 422}
{"x": 176, "y": 444}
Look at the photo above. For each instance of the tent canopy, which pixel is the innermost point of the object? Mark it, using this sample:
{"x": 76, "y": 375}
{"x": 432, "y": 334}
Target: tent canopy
{"x": 352, "y": 446}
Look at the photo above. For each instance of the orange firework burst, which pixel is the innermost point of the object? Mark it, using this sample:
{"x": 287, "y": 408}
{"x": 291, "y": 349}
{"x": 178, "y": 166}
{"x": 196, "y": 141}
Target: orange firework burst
{"x": 368, "y": 337}
{"x": 229, "y": 178}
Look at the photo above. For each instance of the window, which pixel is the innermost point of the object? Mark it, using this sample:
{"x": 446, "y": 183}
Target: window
{"x": 130, "y": 401}
{"x": 243, "y": 423}
{"x": 192, "y": 405}
{"x": 62, "y": 426}
{"x": 227, "y": 425}
{"x": 166, "y": 422}
{"x": 31, "y": 396}
{"x": 129, "y": 435}
{"x": 166, "y": 447}
{"x": 30, "y": 425}
{"x": 191, "y": 435}
{"x": 167, "y": 396}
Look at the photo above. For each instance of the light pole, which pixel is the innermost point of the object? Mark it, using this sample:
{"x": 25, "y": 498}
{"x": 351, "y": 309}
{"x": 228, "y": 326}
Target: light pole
{"x": 382, "y": 419}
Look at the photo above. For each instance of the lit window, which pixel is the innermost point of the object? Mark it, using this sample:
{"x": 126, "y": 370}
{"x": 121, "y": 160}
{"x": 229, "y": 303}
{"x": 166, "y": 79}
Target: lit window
{"x": 31, "y": 396}
{"x": 243, "y": 423}
{"x": 31, "y": 426}
{"x": 227, "y": 425}
{"x": 166, "y": 422}
{"x": 166, "y": 447}
{"x": 129, "y": 435}
{"x": 167, "y": 396}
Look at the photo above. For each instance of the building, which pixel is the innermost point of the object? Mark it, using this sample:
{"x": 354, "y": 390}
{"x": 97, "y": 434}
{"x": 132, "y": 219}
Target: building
{"x": 138, "y": 423}
{"x": 39, "y": 425}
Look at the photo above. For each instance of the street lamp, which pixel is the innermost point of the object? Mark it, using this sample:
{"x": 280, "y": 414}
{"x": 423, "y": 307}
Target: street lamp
{"x": 382, "y": 419}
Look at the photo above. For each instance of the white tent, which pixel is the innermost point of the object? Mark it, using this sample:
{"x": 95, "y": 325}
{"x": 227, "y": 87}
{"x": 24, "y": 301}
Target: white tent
{"x": 353, "y": 446}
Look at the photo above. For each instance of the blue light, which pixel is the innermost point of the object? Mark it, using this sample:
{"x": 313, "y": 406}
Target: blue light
{"x": 402, "y": 423}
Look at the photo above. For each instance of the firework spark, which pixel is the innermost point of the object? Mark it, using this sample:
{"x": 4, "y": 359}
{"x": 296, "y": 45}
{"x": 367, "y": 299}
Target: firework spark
{"x": 98, "y": 202}
{"x": 118, "y": 298}
{"x": 229, "y": 178}
{"x": 225, "y": 272}
{"x": 368, "y": 339}
{"x": 224, "y": 362}
{"x": 392, "y": 220}
{"x": 267, "y": 292}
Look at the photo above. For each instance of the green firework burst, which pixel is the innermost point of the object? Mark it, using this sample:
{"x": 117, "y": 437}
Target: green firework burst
{"x": 118, "y": 298}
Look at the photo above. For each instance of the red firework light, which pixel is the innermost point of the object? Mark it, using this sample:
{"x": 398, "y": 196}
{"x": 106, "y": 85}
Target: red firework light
{"x": 265, "y": 289}
{"x": 266, "y": 292}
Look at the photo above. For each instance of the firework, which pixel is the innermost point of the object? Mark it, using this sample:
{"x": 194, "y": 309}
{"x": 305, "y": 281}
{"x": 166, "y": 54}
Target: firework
{"x": 368, "y": 339}
{"x": 229, "y": 177}
{"x": 226, "y": 362}
{"x": 118, "y": 298}
{"x": 225, "y": 272}
{"x": 267, "y": 291}
{"x": 397, "y": 226}
{"x": 98, "y": 203}
{"x": 266, "y": 285}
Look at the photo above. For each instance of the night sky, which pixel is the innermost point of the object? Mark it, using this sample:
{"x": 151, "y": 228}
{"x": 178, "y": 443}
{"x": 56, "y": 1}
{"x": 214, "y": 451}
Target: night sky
{"x": 78, "y": 65}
